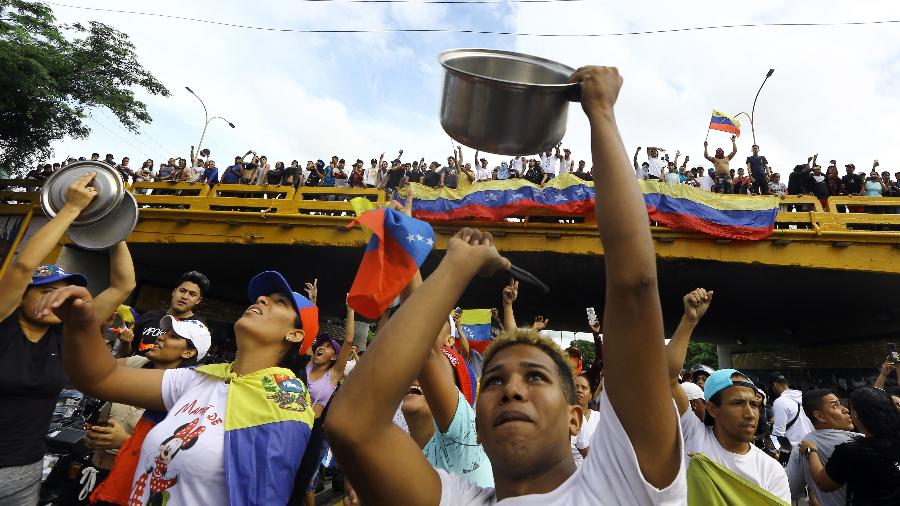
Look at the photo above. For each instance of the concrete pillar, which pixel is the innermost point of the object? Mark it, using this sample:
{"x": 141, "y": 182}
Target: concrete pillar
{"x": 724, "y": 352}
{"x": 94, "y": 265}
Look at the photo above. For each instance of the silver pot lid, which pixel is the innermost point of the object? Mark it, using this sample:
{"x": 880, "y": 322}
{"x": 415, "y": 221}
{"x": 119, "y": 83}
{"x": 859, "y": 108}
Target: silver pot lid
{"x": 108, "y": 182}
{"x": 110, "y": 230}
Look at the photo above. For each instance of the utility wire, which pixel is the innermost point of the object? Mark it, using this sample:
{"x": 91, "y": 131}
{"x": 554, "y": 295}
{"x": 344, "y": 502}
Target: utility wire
{"x": 129, "y": 133}
{"x": 139, "y": 150}
{"x": 480, "y": 32}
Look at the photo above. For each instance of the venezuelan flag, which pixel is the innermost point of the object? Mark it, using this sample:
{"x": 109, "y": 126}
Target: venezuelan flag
{"x": 729, "y": 216}
{"x": 476, "y": 323}
{"x": 398, "y": 246}
{"x": 496, "y": 200}
{"x": 268, "y": 423}
{"x": 724, "y": 123}
{"x": 712, "y": 484}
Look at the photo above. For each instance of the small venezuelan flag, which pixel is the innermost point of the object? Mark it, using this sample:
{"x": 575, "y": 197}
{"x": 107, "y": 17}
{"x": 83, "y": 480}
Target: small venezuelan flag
{"x": 398, "y": 246}
{"x": 724, "y": 123}
{"x": 476, "y": 323}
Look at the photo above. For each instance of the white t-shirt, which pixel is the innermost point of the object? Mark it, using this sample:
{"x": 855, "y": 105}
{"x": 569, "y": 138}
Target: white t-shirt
{"x": 754, "y": 465}
{"x": 547, "y": 164}
{"x": 656, "y": 166}
{"x": 705, "y": 182}
{"x": 672, "y": 178}
{"x": 583, "y": 439}
{"x": 517, "y": 165}
{"x": 566, "y": 165}
{"x": 183, "y": 456}
{"x": 610, "y": 475}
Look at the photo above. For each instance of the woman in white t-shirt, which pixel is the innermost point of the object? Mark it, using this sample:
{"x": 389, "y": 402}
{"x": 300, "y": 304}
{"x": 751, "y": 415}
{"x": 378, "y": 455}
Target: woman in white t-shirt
{"x": 526, "y": 411}
{"x": 217, "y": 444}
{"x": 589, "y": 420}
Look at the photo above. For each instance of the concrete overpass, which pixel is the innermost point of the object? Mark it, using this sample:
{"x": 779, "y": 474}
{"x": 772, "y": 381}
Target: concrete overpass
{"x": 825, "y": 277}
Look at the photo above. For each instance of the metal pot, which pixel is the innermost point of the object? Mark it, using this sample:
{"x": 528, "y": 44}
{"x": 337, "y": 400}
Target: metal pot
{"x": 108, "y": 219}
{"x": 503, "y": 102}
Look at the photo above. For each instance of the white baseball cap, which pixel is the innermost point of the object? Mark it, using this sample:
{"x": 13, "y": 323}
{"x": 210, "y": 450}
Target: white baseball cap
{"x": 692, "y": 390}
{"x": 194, "y": 330}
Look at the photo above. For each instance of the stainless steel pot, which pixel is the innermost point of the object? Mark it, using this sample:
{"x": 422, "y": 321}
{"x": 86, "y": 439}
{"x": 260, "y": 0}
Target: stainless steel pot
{"x": 108, "y": 219}
{"x": 503, "y": 102}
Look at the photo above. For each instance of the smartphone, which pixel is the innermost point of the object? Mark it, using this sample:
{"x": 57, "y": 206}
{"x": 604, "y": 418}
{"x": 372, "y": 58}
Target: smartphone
{"x": 592, "y": 316}
{"x": 457, "y": 310}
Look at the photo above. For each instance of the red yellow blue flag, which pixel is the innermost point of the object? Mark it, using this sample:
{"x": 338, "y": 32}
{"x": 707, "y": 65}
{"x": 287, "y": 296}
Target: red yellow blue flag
{"x": 397, "y": 248}
{"x": 724, "y": 123}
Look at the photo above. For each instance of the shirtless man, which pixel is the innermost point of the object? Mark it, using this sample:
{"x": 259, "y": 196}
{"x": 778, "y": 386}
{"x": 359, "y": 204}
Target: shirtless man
{"x": 721, "y": 163}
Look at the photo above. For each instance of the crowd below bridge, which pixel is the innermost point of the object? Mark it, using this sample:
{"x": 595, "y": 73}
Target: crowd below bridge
{"x": 417, "y": 415}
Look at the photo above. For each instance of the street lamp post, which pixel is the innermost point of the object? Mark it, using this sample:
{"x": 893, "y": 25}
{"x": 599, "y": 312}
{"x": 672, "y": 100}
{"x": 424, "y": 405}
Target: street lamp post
{"x": 206, "y": 122}
{"x": 753, "y": 110}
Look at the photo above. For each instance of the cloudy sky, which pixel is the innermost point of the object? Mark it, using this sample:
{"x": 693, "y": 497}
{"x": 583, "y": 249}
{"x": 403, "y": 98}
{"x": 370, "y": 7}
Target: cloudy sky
{"x": 307, "y": 96}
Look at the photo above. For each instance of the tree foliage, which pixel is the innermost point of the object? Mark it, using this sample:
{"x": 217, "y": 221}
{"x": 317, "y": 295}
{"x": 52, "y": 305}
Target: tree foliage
{"x": 701, "y": 354}
{"x": 52, "y": 75}
{"x": 587, "y": 351}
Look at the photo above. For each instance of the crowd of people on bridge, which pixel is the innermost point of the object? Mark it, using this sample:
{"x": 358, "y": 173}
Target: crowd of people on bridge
{"x": 418, "y": 417}
{"x": 756, "y": 177}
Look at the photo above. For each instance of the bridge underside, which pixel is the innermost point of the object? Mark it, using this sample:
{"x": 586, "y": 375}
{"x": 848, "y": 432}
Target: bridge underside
{"x": 759, "y": 305}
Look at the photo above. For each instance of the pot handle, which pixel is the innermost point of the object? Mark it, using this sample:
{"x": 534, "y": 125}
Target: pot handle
{"x": 574, "y": 93}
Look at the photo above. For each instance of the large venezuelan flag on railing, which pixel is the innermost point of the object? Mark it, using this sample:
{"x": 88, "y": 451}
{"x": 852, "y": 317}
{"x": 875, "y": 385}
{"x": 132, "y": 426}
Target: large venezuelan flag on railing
{"x": 675, "y": 205}
{"x": 731, "y": 216}
{"x": 496, "y": 200}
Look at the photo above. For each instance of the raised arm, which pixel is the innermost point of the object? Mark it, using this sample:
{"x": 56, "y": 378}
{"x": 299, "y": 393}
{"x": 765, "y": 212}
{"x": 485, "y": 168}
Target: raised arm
{"x": 374, "y": 453}
{"x": 87, "y": 361}
{"x": 18, "y": 275}
{"x": 695, "y": 305}
{"x": 636, "y": 153}
{"x": 733, "y": 147}
{"x": 337, "y": 370}
{"x": 881, "y": 380}
{"x": 706, "y": 152}
{"x": 463, "y": 340}
{"x": 438, "y": 386}
{"x": 510, "y": 294}
{"x": 632, "y": 316}
{"x": 121, "y": 282}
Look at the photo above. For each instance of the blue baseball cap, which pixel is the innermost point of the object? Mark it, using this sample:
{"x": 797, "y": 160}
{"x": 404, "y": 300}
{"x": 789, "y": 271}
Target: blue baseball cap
{"x": 721, "y": 379}
{"x": 269, "y": 282}
{"x": 46, "y": 274}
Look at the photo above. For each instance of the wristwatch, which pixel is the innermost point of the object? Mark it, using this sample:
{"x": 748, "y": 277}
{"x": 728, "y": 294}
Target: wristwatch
{"x": 810, "y": 450}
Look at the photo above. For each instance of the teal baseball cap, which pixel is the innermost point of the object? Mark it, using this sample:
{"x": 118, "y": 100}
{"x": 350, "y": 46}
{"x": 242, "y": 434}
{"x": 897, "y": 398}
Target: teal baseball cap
{"x": 721, "y": 379}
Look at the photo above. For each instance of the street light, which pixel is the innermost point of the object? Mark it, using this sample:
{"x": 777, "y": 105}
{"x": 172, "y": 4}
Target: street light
{"x": 205, "y": 124}
{"x": 753, "y": 110}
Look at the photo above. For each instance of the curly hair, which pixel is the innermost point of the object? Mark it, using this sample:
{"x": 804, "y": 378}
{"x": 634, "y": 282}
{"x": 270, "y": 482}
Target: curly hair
{"x": 532, "y": 337}
{"x": 876, "y": 410}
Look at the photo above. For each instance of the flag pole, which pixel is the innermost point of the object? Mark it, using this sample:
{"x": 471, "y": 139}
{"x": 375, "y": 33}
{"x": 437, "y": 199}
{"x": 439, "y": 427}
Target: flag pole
{"x": 707, "y": 135}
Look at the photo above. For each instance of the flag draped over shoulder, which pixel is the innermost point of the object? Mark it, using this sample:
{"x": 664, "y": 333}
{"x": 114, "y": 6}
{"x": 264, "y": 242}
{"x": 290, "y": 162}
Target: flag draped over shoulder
{"x": 728, "y": 216}
{"x": 712, "y": 484}
{"x": 724, "y": 123}
{"x": 397, "y": 248}
{"x": 476, "y": 323}
{"x": 496, "y": 200}
{"x": 268, "y": 423}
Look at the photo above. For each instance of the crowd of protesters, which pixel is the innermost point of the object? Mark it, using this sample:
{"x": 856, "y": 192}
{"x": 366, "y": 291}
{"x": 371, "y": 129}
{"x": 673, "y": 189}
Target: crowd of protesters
{"x": 532, "y": 427}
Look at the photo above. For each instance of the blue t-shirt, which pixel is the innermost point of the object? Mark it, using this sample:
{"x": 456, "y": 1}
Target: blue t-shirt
{"x": 329, "y": 176}
{"x": 457, "y": 451}
{"x": 232, "y": 175}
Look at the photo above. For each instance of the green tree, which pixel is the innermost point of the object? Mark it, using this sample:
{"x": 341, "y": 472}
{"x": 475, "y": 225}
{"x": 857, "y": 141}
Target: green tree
{"x": 701, "y": 353}
{"x": 587, "y": 351}
{"x": 52, "y": 75}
